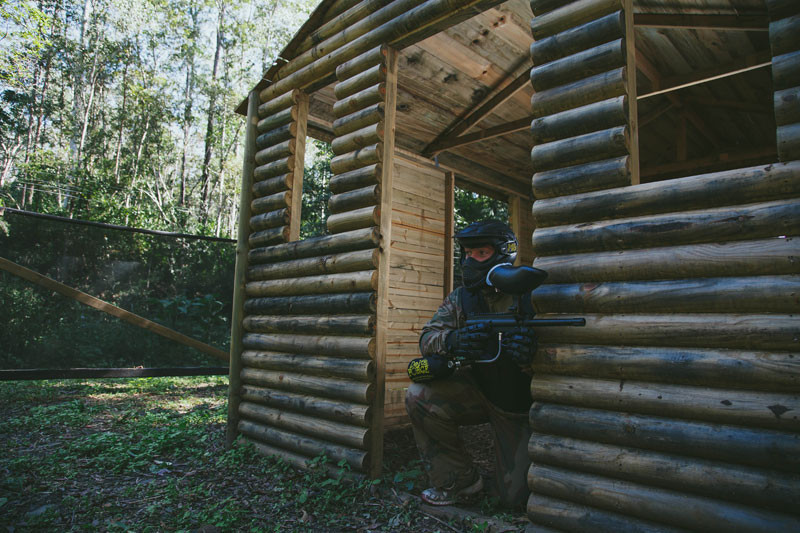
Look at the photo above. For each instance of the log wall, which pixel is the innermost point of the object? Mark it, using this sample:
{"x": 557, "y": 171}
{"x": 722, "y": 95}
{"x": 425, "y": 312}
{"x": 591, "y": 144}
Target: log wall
{"x": 312, "y": 360}
{"x": 417, "y": 278}
{"x": 676, "y": 406}
{"x": 784, "y": 38}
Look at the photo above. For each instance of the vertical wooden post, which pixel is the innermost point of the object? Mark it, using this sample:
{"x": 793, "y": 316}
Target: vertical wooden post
{"x": 449, "y": 231}
{"x": 384, "y": 267}
{"x": 299, "y": 164}
{"x": 245, "y": 198}
{"x": 633, "y": 110}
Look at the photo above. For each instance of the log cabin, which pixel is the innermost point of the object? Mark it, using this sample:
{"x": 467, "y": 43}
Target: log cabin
{"x": 649, "y": 152}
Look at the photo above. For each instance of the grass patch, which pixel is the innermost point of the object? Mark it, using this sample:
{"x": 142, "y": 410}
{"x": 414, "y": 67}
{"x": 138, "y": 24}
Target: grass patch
{"x": 148, "y": 455}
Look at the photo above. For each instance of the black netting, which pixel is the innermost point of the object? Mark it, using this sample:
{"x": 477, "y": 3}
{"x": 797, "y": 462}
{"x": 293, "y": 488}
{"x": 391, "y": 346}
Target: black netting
{"x": 184, "y": 284}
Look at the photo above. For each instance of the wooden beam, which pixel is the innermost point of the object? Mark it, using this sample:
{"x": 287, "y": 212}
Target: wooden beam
{"x": 630, "y": 87}
{"x": 739, "y": 66}
{"x": 482, "y": 135}
{"x": 108, "y": 308}
{"x": 702, "y": 22}
{"x": 726, "y": 158}
{"x": 650, "y": 117}
{"x": 449, "y": 231}
{"x": 475, "y": 116}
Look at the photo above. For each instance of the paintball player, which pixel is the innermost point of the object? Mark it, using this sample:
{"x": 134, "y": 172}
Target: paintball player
{"x": 443, "y": 397}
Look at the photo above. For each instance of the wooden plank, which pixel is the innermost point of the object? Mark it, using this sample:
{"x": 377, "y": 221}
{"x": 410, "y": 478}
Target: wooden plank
{"x": 110, "y": 309}
{"x": 717, "y": 21}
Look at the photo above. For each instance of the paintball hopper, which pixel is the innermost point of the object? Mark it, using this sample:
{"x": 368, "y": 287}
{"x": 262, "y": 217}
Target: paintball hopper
{"x": 515, "y": 280}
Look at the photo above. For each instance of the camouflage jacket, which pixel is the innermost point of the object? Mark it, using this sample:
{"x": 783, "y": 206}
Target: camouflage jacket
{"x": 503, "y": 383}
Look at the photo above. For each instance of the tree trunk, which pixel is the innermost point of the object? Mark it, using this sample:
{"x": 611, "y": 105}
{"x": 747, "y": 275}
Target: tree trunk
{"x": 212, "y": 104}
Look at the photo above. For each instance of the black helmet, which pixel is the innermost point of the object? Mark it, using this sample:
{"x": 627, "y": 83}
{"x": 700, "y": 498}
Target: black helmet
{"x": 492, "y": 232}
{"x": 487, "y": 232}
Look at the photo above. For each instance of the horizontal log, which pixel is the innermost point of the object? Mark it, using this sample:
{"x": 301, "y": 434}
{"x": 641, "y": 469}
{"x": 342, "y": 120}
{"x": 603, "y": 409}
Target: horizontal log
{"x": 352, "y": 220}
{"x": 354, "y": 160}
{"x": 367, "y": 136}
{"x": 569, "y": 516}
{"x": 576, "y": 179}
{"x": 789, "y": 142}
{"x": 278, "y": 151}
{"x": 324, "y": 264}
{"x": 276, "y": 136}
{"x": 320, "y": 325}
{"x": 761, "y": 294}
{"x": 359, "y": 82}
{"x": 580, "y": 93}
{"x": 349, "y": 413}
{"x": 787, "y": 106}
{"x": 578, "y": 38}
{"x": 599, "y": 145}
{"x": 336, "y": 388}
{"x": 269, "y": 237}
{"x": 335, "y": 367}
{"x": 735, "y": 369}
{"x": 571, "y": 15}
{"x": 356, "y": 459}
{"x": 744, "y": 222}
{"x": 272, "y": 185}
{"x": 278, "y": 103}
{"x": 768, "y": 257}
{"x": 355, "y": 179}
{"x": 761, "y": 448}
{"x": 273, "y": 219}
{"x": 275, "y": 168}
{"x": 360, "y": 347}
{"x": 739, "y": 186}
{"x": 590, "y": 62}
{"x": 648, "y": 503}
{"x": 301, "y": 462}
{"x": 356, "y": 199}
{"x": 277, "y": 120}
{"x": 339, "y": 16}
{"x": 786, "y": 71}
{"x": 741, "y": 484}
{"x": 362, "y": 63}
{"x": 315, "y": 246}
{"x": 273, "y": 202}
{"x": 347, "y": 435}
{"x": 360, "y": 100}
{"x": 360, "y": 119}
{"x": 784, "y": 35}
{"x": 540, "y": 7}
{"x": 359, "y": 302}
{"x": 771, "y": 410}
{"x": 323, "y": 284}
{"x": 743, "y": 332}
{"x": 593, "y": 117}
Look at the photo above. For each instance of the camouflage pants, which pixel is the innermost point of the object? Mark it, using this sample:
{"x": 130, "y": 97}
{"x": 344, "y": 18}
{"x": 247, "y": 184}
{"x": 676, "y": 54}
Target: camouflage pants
{"x": 438, "y": 408}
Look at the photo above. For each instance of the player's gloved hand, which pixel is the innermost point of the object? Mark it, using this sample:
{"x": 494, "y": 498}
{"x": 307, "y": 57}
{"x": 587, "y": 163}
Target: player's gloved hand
{"x": 469, "y": 342}
{"x": 520, "y": 345}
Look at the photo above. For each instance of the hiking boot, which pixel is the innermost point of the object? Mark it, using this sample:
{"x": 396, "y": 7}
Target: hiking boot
{"x": 451, "y": 495}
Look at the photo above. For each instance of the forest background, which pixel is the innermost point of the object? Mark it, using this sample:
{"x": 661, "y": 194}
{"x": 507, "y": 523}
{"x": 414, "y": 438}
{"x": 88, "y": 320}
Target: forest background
{"x": 121, "y": 111}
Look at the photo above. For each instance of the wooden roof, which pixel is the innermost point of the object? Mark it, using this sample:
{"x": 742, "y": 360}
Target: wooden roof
{"x": 470, "y": 81}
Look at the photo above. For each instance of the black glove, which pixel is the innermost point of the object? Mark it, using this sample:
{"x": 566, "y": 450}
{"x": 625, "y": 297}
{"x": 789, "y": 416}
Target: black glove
{"x": 520, "y": 345}
{"x": 469, "y": 342}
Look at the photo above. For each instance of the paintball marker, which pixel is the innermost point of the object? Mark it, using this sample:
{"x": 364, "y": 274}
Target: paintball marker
{"x": 517, "y": 281}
